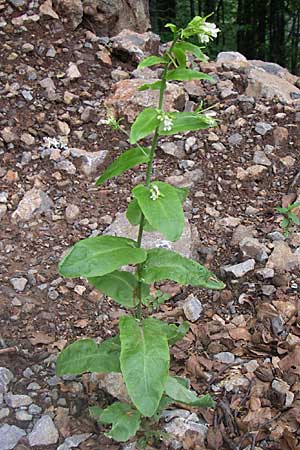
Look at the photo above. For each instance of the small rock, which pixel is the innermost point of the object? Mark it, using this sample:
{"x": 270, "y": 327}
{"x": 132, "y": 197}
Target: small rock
{"x": 73, "y": 441}
{"x": 23, "y": 416}
{"x": 63, "y": 128}
{"x": 252, "y": 248}
{"x": 268, "y": 290}
{"x": 225, "y": 357}
{"x": 72, "y": 212}
{"x": 44, "y": 432}
{"x": 265, "y": 273}
{"x": 27, "y": 95}
{"x": 34, "y": 202}
{"x": 10, "y": 436}
{"x": 27, "y": 138}
{"x": 66, "y": 166}
{"x": 239, "y": 270}
{"x": 34, "y": 409}
{"x": 8, "y": 135}
{"x": 174, "y": 149}
{"x": 19, "y": 283}
{"x": 280, "y": 136}
{"x": 192, "y": 308}
{"x": 114, "y": 384}
{"x": 262, "y": 128}
{"x": 6, "y": 376}
{"x": 3, "y": 211}
{"x": 118, "y": 75}
{"x": 261, "y": 158}
{"x": 235, "y": 139}
{"x": 16, "y": 401}
{"x": 72, "y": 72}
{"x": 4, "y": 412}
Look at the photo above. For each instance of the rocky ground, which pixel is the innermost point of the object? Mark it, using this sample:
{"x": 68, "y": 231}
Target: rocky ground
{"x": 244, "y": 343}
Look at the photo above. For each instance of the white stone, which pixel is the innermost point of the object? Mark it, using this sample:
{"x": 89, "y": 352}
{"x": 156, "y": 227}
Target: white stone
{"x": 192, "y": 308}
{"x": 44, "y": 432}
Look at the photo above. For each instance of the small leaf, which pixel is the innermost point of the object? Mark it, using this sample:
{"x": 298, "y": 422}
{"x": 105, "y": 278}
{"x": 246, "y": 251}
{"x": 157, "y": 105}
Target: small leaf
{"x": 180, "y": 56}
{"x": 151, "y": 61}
{"x": 184, "y": 121}
{"x": 124, "y": 419}
{"x": 153, "y": 86}
{"x": 292, "y": 216}
{"x": 87, "y": 356}
{"x": 178, "y": 392}
{"x": 285, "y": 223}
{"x": 172, "y": 27}
{"x": 97, "y": 256}
{"x": 173, "y": 332}
{"x": 144, "y": 124}
{"x": 182, "y": 74}
{"x": 127, "y": 160}
{"x": 120, "y": 286}
{"x": 163, "y": 264}
{"x": 144, "y": 362}
{"x": 191, "y": 48}
{"x": 165, "y": 213}
{"x": 134, "y": 215}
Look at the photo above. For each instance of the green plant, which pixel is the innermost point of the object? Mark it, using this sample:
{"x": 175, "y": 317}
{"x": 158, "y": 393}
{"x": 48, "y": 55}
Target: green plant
{"x": 141, "y": 350}
{"x": 289, "y": 217}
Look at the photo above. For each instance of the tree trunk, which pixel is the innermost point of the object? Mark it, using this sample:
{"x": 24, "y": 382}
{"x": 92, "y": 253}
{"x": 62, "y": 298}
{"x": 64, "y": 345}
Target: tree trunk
{"x": 276, "y": 30}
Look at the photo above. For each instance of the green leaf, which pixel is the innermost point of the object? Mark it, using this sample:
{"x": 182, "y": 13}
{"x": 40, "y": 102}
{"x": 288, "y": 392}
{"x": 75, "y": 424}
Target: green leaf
{"x": 127, "y": 160}
{"x": 124, "y": 419}
{"x": 87, "y": 356}
{"x": 154, "y": 86}
{"x": 144, "y": 362}
{"x": 134, "y": 215}
{"x": 182, "y": 193}
{"x": 164, "y": 213}
{"x": 180, "y": 56}
{"x": 120, "y": 286}
{"x": 178, "y": 392}
{"x": 282, "y": 210}
{"x": 191, "y": 48}
{"x": 97, "y": 256}
{"x": 182, "y": 74}
{"x": 151, "y": 61}
{"x": 172, "y": 27}
{"x": 285, "y": 223}
{"x": 175, "y": 333}
{"x": 144, "y": 124}
{"x": 292, "y": 216}
{"x": 163, "y": 264}
{"x": 185, "y": 121}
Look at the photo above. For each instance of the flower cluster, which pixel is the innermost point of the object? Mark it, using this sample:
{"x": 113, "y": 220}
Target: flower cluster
{"x": 166, "y": 120}
{"x": 154, "y": 192}
{"x": 209, "y": 31}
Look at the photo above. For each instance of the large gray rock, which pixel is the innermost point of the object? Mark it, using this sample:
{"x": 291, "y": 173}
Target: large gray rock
{"x": 231, "y": 57}
{"x": 135, "y": 46}
{"x": 44, "y": 432}
{"x": 10, "y": 436}
{"x": 185, "y": 245}
{"x": 34, "y": 203}
{"x": 16, "y": 401}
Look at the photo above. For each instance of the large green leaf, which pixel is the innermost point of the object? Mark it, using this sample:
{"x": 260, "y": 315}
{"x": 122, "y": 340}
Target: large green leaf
{"x": 180, "y": 56}
{"x": 144, "y": 124}
{"x": 185, "y": 121}
{"x": 164, "y": 213}
{"x": 163, "y": 264}
{"x": 154, "y": 86}
{"x": 178, "y": 392}
{"x": 151, "y": 61}
{"x": 183, "y": 74}
{"x": 97, "y": 256}
{"x": 191, "y": 48}
{"x": 134, "y": 215}
{"x": 87, "y": 356}
{"x": 173, "y": 332}
{"x": 124, "y": 419}
{"x": 144, "y": 362}
{"x": 120, "y": 286}
{"x": 127, "y": 160}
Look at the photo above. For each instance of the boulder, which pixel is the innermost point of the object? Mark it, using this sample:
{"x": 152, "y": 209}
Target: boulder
{"x": 135, "y": 46}
{"x": 127, "y": 101}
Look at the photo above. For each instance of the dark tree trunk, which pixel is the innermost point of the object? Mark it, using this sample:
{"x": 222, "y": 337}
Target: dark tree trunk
{"x": 192, "y": 7}
{"x": 277, "y": 34}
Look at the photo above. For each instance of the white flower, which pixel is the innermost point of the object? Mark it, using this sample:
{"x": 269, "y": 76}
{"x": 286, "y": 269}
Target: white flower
{"x": 203, "y": 38}
{"x": 166, "y": 120}
{"x": 210, "y": 29}
{"x": 154, "y": 192}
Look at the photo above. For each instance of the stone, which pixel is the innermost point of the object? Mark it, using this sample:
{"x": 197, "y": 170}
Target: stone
{"x": 34, "y": 203}
{"x": 194, "y": 88}
{"x": 66, "y": 166}
{"x": 3, "y": 211}
{"x": 118, "y": 75}
{"x": 192, "y": 308}
{"x": 127, "y": 101}
{"x": 51, "y": 52}
{"x": 16, "y": 401}
{"x": 252, "y": 248}
{"x": 63, "y": 128}
{"x": 91, "y": 161}
{"x": 184, "y": 246}
{"x": 235, "y": 139}
{"x": 262, "y": 128}
{"x": 280, "y": 136}
{"x": 72, "y": 212}
{"x": 24, "y": 416}
{"x": 46, "y": 9}
{"x": 27, "y": 47}
{"x": 261, "y": 158}
{"x": 265, "y": 273}
{"x": 73, "y": 441}
{"x": 265, "y": 85}
{"x": 10, "y": 436}
{"x": 72, "y": 10}
{"x": 18, "y": 3}
{"x": 174, "y": 149}
{"x": 288, "y": 161}
{"x": 6, "y": 376}
{"x": 72, "y": 72}
{"x": 104, "y": 56}
{"x": 88, "y": 115}
{"x": 225, "y": 357}
{"x": 268, "y": 290}
{"x": 27, "y": 95}
{"x": 113, "y": 383}
{"x": 69, "y": 97}
{"x": 8, "y": 135}
{"x": 239, "y": 270}
{"x": 27, "y": 138}
{"x": 178, "y": 426}
{"x": 282, "y": 258}
{"x": 229, "y": 57}
{"x": 254, "y": 172}
{"x": 19, "y": 283}
{"x": 4, "y": 412}
{"x": 44, "y": 432}
{"x": 135, "y": 45}
{"x": 274, "y": 69}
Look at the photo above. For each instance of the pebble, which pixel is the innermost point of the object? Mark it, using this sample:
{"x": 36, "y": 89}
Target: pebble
{"x": 73, "y": 441}
{"x": 261, "y": 158}
{"x": 225, "y": 357}
{"x": 239, "y": 270}
{"x": 19, "y": 284}
{"x": 15, "y": 401}
{"x": 44, "y": 432}
{"x": 10, "y": 436}
{"x": 6, "y": 376}
{"x": 71, "y": 213}
{"x": 34, "y": 409}
{"x": 192, "y": 308}
{"x": 262, "y": 128}
{"x": 4, "y": 412}
{"x": 235, "y": 139}
{"x": 23, "y": 415}
{"x": 3, "y": 211}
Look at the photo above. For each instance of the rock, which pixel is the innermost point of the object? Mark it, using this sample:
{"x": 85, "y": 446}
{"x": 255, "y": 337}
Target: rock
{"x": 3, "y": 211}
{"x": 104, "y": 56}
{"x": 72, "y": 72}
{"x": 188, "y": 180}
{"x": 262, "y": 128}
{"x": 69, "y": 97}
{"x": 88, "y": 115}
{"x": 174, "y": 148}
{"x": 254, "y": 172}
{"x": 27, "y": 138}
{"x": 6, "y": 376}
{"x": 19, "y": 283}
{"x": 228, "y": 222}
{"x": 18, "y": 3}
{"x": 34, "y": 203}
{"x": 185, "y": 245}
{"x": 44, "y": 432}
{"x": 91, "y": 161}
{"x": 235, "y": 139}
{"x": 230, "y": 57}
{"x": 239, "y": 270}
{"x": 127, "y": 101}
{"x": 51, "y": 52}
{"x": 113, "y": 383}
{"x": 274, "y": 69}
{"x": 134, "y": 45}
{"x": 46, "y": 9}
{"x": 268, "y": 290}
{"x": 63, "y": 128}
{"x": 252, "y": 248}
{"x": 265, "y": 273}
{"x": 263, "y": 84}
{"x": 280, "y": 136}
{"x": 194, "y": 88}
{"x": 72, "y": 10}
{"x": 110, "y": 17}
{"x": 10, "y": 436}
{"x": 192, "y": 308}
{"x": 16, "y": 401}
{"x": 282, "y": 258}
{"x": 288, "y": 161}
{"x": 236, "y": 382}
{"x": 72, "y": 212}
{"x": 66, "y": 166}
{"x": 261, "y": 158}
{"x": 73, "y": 441}
{"x": 4, "y": 412}
{"x": 178, "y": 426}
{"x": 225, "y": 357}
{"x": 24, "y": 416}
{"x": 8, "y": 135}
{"x": 118, "y": 75}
